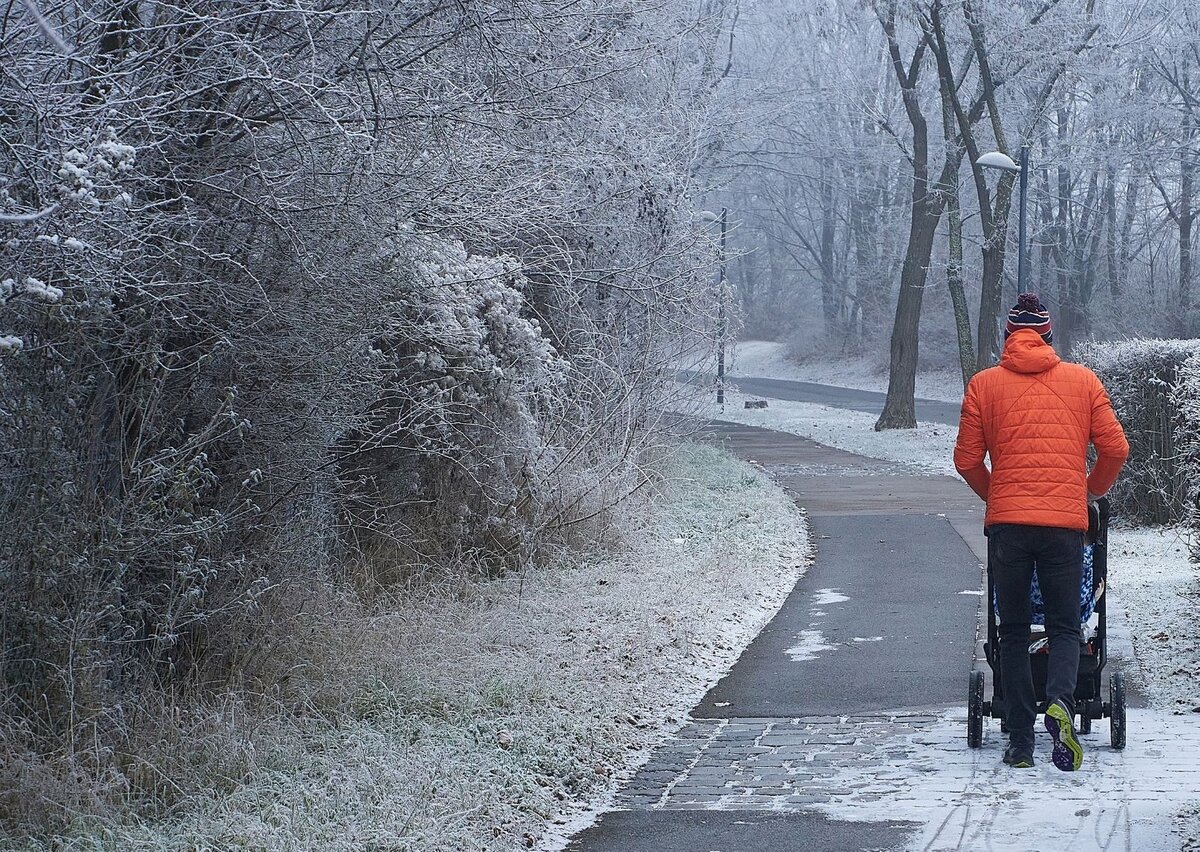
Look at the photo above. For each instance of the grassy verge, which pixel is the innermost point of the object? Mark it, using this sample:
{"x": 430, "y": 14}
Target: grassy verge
{"x": 481, "y": 717}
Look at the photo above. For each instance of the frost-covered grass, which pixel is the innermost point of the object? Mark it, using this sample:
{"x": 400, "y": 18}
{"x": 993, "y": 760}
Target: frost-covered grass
{"x": 484, "y": 716}
{"x": 1155, "y": 587}
{"x": 1153, "y": 580}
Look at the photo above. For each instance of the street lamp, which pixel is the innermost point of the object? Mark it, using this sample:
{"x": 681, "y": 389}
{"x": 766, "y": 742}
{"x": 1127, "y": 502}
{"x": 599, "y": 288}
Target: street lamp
{"x": 709, "y": 216}
{"x": 997, "y": 160}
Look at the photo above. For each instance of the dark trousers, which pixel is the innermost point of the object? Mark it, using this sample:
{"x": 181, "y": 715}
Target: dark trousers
{"x": 1015, "y": 552}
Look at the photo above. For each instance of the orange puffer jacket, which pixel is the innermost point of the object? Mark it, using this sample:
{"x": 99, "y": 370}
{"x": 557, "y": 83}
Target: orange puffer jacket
{"x": 1035, "y": 415}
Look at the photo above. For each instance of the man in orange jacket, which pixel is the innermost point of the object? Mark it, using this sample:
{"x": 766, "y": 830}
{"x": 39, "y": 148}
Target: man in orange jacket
{"x": 1035, "y": 415}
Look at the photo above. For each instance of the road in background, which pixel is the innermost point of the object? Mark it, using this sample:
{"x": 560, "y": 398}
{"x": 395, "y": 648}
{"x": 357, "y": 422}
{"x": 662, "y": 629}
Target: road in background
{"x": 928, "y": 410}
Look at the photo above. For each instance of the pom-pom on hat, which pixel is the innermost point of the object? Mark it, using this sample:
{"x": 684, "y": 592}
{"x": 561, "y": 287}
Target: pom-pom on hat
{"x": 1029, "y": 312}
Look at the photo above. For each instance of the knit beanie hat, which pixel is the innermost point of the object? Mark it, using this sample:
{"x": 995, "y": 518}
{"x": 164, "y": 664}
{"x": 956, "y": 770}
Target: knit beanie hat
{"x": 1029, "y": 312}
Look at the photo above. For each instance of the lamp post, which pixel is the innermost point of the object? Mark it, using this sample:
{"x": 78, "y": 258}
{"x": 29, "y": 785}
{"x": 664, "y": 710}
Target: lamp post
{"x": 721, "y": 323}
{"x": 997, "y": 160}
{"x": 722, "y": 219}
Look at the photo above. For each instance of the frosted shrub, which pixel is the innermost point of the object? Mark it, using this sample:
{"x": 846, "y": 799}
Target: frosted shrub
{"x": 1143, "y": 380}
{"x": 457, "y": 444}
{"x": 1187, "y": 397}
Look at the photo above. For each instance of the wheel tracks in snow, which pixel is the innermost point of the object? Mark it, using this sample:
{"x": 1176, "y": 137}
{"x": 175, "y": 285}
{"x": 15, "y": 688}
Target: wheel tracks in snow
{"x": 915, "y": 766}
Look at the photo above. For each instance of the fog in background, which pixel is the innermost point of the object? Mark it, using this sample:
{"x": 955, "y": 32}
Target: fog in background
{"x": 851, "y": 183}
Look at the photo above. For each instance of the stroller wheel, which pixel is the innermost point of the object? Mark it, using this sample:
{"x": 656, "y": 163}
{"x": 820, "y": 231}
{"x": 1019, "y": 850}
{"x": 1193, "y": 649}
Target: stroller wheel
{"x": 1085, "y": 722}
{"x": 1116, "y": 697}
{"x": 975, "y": 710}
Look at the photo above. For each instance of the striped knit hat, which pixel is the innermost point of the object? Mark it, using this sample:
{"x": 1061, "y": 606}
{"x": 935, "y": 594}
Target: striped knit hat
{"x": 1029, "y": 312}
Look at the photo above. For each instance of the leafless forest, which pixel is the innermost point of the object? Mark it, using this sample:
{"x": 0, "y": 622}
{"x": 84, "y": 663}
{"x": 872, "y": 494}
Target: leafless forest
{"x": 864, "y": 213}
{"x": 307, "y": 302}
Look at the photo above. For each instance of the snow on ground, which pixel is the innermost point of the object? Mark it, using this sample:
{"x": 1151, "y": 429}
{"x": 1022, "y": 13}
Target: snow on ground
{"x": 505, "y": 714}
{"x": 1155, "y": 589}
{"x": 913, "y": 765}
{"x": 766, "y": 359}
{"x": 967, "y": 799}
{"x": 1158, "y": 590}
{"x": 928, "y": 448}
{"x": 476, "y": 717}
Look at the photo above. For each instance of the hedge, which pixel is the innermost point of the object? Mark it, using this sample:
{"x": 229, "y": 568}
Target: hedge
{"x": 1155, "y": 390}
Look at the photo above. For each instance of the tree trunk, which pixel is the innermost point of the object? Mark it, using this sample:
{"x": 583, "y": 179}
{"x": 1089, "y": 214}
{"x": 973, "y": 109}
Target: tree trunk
{"x": 958, "y": 297}
{"x": 899, "y": 411}
{"x": 862, "y": 238}
{"x": 777, "y": 279}
{"x": 1086, "y": 261}
{"x": 1064, "y": 330}
{"x": 1045, "y": 220}
{"x": 830, "y": 298}
{"x": 954, "y": 265}
{"x": 991, "y": 291}
{"x": 1125, "y": 239}
{"x": 1111, "y": 270}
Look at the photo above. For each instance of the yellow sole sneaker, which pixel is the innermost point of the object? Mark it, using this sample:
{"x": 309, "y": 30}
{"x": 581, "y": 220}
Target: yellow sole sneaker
{"x": 1068, "y": 752}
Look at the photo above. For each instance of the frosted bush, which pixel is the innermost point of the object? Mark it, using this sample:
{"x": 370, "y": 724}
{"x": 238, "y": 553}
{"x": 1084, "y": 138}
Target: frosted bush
{"x": 1143, "y": 380}
{"x": 76, "y": 178}
{"x": 113, "y": 156}
{"x": 470, "y": 380}
{"x": 1187, "y": 397}
{"x": 41, "y": 290}
{"x": 90, "y": 179}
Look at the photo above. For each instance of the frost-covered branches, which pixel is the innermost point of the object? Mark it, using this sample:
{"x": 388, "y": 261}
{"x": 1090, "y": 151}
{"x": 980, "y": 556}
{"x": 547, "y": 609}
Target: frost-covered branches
{"x": 1105, "y": 95}
{"x": 298, "y": 292}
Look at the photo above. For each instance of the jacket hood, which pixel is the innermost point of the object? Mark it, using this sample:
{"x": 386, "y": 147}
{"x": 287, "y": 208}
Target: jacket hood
{"x": 1026, "y": 352}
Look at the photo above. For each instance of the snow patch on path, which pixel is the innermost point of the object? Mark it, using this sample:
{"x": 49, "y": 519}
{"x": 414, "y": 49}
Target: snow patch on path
{"x": 809, "y": 645}
{"x": 828, "y": 596}
{"x": 914, "y": 766}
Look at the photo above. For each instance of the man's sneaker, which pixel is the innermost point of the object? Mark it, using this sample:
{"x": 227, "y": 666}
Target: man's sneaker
{"x": 1019, "y": 757}
{"x": 1068, "y": 753}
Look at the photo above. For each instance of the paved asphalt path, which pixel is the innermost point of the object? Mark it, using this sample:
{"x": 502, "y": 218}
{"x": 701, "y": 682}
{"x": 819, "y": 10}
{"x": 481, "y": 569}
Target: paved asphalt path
{"x": 878, "y": 629}
{"x": 906, "y": 631}
{"x": 928, "y": 410}
{"x": 841, "y": 700}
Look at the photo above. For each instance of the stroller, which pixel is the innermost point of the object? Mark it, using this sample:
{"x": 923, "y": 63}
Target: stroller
{"x": 1089, "y": 700}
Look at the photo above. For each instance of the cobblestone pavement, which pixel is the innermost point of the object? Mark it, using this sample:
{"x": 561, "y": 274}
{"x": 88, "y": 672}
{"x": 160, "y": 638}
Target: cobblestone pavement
{"x": 915, "y": 766}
